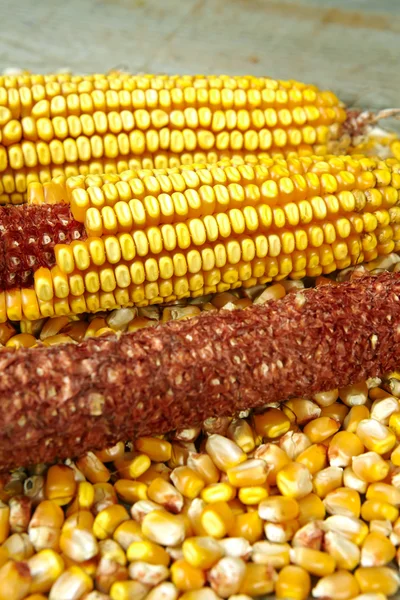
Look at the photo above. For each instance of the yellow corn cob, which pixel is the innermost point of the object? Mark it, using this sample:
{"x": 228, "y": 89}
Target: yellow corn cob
{"x": 68, "y": 124}
{"x": 158, "y": 236}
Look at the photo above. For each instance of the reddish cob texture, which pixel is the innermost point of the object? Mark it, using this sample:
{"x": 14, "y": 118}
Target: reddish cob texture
{"x": 65, "y": 400}
{"x": 28, "y": 235}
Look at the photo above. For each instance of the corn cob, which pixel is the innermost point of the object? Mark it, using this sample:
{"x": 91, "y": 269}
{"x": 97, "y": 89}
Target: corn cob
{"x": 150, "y": 237}
{"x": 62, "y": 123}
{"x": 119, "y": 387}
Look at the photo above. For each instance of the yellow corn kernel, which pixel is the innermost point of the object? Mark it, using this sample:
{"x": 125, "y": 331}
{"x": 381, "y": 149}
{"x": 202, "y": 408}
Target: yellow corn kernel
{"x": 156, "y": 449}
{"x": 250, "y": 472}
{"x": 186, "y": 577}
{"x": 60, "y": 484}
{"x": 242, "y": 434}
{"x": 377, "y": 550}
{"x": 107, "y": 521}
{"x": 354, "y": 395}
{"x": 376, "y": 509}
{"x": 253, "y": 494}
{"x": 258, "y": 580}
{"x": 302, "y": 410}
{"x": 320, "y": 429}
{"x": 377, "y": 580}
{"x": 383, "y": 492}
{"x": 16, "y": 580}
{"x": 218, "y": 492}
{"x": 327, "y": 480}
{"x": 272, "y": 423}
{"x": 93, "y": 469}
{"x": 370, "y": 467}
{"x": 294, "y": 480}
{"x": 202, "y": 552}
{"x": 248, "y": 526}
{"x": 132, "y": 465}
{"x": 187, "y": 481}
{"x": 293, "y": 582}
{"x": 313, "y": 457}
{"x": 148, "y": 552}
{"x": 310, "y": 507}
{"x": 113, "y": 452}
{"x": 131, "y": 491}
{"x": 343, "y": 501}
{"x": 165, "y": 494}
{"x": 316, "y": 562}
{"x": 354, "y": 416}
{"x": 4, "y": 521}
{"x": 326, "y": 398}
{"x": 217, "y": 519}
{"x": 125, "y": 590}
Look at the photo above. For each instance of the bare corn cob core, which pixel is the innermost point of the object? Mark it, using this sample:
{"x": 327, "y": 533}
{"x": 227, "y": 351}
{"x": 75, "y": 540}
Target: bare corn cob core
{"x": 69, "y": 124}
{"x": 148, "y": 237}
{"x": 168, "y": 377}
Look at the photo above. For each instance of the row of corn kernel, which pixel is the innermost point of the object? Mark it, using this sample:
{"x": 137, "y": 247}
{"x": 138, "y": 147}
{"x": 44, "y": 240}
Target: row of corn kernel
{"x": 248, "y": 505}
{"x": 73, "y": 329}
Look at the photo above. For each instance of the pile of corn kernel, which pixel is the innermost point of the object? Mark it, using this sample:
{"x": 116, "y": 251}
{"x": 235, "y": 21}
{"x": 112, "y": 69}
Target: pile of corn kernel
{"x": 296, "y": 500}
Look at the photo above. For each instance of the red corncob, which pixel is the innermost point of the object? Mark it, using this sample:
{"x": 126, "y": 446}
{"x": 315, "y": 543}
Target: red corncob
{"x": 63, "y": 400}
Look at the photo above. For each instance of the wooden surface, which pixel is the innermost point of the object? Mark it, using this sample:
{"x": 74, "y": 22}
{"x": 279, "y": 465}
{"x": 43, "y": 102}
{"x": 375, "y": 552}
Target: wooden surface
{"x": 351, "y": 46}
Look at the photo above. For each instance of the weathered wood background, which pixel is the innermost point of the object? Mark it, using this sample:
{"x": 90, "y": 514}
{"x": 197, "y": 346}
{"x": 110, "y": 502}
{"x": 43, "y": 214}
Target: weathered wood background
{"x": 351, "y": 46}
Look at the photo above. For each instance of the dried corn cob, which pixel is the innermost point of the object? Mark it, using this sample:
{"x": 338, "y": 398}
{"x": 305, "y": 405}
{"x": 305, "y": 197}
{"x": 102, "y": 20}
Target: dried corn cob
{"x": 149, "y": 237}
{"x": 59, "y": 123}
{"x": 153, "y": 380}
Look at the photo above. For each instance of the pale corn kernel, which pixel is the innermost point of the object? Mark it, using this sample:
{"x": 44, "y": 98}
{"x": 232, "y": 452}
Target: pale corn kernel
{"x": 18, "y": 547}
{"x": 224, "y": 452}
{"x": 343, "y": 446}
{"x": 165, "y": 494}
{"x": 281, "y": 532}
{"x": 250, "y": 472}
{"x": 294, "y": 443}
{"x": 294, "y": 481}
{"x": 386, "y": 411}
{"x": 351, "y": 528}
{"x": 236, "y": 546}
{"x": 321, "y": 428}
{"x": 341, "y": 585}
{"x": 274, "y": 554}
{"x": 309, "y": 536}
{"x": 370, "y": 467}
{"x": 148, "y": 574}
{"x": 380, "y": 526}
{"x": 382, "y": 580}
{"x": 345, "y": 552}
{"x": 226, "y": 576}
{"x": 202, "y": 552}
{"x": 354, "y": 395}
{"x": 242, "y": 434}
{"x": 127, "y": 533}
{"x": 278, "y": 509}
{"x": 375, "y": 436}
{"x": 352, "y": 481}
{"x": 163, "y": 591}
{"x": 203, "y": 464}
{"x": 316, "y": 562}
{"x": 275, "y": 457}
{"x": 74, "y": 583}
{"x": 377, "y": 550}
{"x": 93, "y": 469}
{"x": 293, "y": 582}
{"x": 45, "y": 567}
{"x": 141, "y": 508}
{"x": 79, "y": 544}
{"x": 203, "y": 594}
{"x": 187, "y": 481}
{"x": 162, "y": 528}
